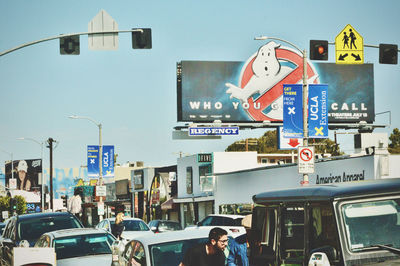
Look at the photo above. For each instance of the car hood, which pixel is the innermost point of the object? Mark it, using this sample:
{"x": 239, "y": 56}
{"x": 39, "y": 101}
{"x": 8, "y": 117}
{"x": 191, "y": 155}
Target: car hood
{"x": 133, "y": 234}
{"x": 103, "y": 259}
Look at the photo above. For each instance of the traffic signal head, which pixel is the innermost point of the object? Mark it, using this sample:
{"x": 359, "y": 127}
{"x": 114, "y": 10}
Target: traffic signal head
{"x": 318, "y": 50}
{"x": 141, "y": 40}
{"x": 65, "y": 201}
{"x": 13, "y": 204}
{"x": 70, "y": 45}
{"x": 388, "y": 54}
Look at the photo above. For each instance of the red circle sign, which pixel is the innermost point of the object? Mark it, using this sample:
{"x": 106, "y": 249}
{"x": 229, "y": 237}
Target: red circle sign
{"x": 306, "y": 154}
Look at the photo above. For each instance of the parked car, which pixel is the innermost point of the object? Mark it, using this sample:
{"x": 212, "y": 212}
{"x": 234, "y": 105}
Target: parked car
{"x": 80, "y": 246}
{"x": 160, "y": 226}
{"x": 30, "y": 227}
{"x": 351, "y": 223}
{"x": 166, "y": 249}
{"x": 230, "y": 222}
{"x": 133, "y": 227}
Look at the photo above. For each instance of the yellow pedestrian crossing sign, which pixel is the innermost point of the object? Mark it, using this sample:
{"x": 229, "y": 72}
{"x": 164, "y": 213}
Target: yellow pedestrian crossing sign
{"x": 349, "y": 46}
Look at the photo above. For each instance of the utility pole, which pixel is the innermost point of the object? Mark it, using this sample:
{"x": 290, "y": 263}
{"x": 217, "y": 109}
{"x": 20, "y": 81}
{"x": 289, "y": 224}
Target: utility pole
{"x": 50, "y": 142}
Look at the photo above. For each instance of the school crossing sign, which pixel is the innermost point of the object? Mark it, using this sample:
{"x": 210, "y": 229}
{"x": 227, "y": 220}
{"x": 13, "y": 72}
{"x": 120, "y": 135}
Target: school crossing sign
{"x": 349, "y": 46}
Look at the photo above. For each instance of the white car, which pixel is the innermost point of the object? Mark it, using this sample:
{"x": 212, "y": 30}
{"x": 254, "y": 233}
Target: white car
{"x": 166, "y": 249}
{"x": 230, "y": 222}
{"x": 79, "y": 246}
{"x": 133, "y": 227}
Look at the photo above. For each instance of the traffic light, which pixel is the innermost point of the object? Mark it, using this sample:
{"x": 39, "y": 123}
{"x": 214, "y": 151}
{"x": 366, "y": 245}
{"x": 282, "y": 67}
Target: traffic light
{"x": 174, "y": 189}
{"x": 65, "y": 201}
{"x": 13, "y": 205}
{"x": 70, "y": 45}
{"x": 141, "y": 40}
{"x": 318, "y": 50}
{"x": 388, "y": 54}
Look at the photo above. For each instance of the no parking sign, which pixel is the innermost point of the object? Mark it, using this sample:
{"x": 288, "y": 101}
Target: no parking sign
{"x": 306, "y": 160}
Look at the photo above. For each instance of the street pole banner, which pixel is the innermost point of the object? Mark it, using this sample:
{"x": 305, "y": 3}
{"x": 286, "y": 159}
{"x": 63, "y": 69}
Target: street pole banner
{"x": 292, "y": 110}
{"x": 93, "y": 160}
{"x": 318, "y": 111}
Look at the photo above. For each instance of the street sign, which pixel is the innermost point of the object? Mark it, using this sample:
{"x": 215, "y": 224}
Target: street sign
{"x": 293, "y": 110}
{"x": 349, "y": 46}
{"x": 103, "y": 22}
{"x": 13, "y": 183}
{"x": 288, "y": 143}
{"x": 318, "y": 111}
{"x": 306, "y": 160}
{"x": 101, "y": 191}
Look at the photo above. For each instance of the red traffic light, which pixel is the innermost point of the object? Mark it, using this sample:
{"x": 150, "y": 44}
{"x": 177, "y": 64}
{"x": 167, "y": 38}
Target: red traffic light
{"x": 318, "y": 50}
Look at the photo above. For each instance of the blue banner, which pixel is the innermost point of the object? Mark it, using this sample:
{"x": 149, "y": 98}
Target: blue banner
{"x": 293, "y": 110}
{"x": 318, "y": 111}
{"x": 93, "y": 160}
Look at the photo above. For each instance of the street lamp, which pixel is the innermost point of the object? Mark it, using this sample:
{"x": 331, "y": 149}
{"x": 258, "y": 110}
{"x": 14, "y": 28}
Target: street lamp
{"x": 41, "y": 157}
{"x": 305, "y": 93}
{"x": 100, "y": 150}
{"x": 12, "y": 162}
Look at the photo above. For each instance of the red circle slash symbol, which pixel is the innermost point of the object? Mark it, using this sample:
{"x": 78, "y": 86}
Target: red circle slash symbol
{"x": 306, "y": 155}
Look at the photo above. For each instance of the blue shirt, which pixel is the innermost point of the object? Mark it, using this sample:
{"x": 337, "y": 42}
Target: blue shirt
{"x": 238, "y": 251}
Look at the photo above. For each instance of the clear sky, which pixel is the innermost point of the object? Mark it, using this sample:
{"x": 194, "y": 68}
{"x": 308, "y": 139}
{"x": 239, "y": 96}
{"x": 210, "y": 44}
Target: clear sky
{"x": 133, "y": 92}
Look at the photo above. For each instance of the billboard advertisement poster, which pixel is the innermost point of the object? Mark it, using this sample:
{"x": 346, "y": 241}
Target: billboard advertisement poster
{"x": 93, "y": 160}
{"x": 26, "y": 174}
{"x": 252, "y": 91}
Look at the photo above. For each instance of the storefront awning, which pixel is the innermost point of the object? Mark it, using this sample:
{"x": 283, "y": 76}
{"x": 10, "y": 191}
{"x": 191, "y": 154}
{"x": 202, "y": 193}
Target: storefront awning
{"x": 194, "y": 199}
{"x": 168, "y": 205}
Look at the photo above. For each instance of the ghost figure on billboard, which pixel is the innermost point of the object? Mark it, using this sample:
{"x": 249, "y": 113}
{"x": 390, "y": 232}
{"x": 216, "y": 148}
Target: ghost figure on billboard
{"x": 266, "y": 69}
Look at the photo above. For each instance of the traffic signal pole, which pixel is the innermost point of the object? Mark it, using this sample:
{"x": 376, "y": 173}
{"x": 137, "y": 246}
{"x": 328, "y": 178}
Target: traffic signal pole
{"x": 305, "y": 181}
{"x": 305, "y": 110}
{"x": 66, "y": 35}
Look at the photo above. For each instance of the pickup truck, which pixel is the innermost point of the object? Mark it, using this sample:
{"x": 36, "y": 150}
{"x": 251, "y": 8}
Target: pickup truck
{"x": 352, "y": 223}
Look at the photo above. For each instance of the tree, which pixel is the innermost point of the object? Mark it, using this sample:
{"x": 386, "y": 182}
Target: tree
{"x": 394, "y": 146}
{"x": 20, "y": 203}
{"x": 268, "y": 143}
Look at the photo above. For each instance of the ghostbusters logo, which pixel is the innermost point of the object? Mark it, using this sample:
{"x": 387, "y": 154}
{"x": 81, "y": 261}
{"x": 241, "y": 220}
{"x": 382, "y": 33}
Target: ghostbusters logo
{"x": 262, "y": 77}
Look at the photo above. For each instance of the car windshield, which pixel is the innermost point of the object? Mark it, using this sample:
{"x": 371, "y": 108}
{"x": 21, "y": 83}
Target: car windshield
{"x": 372, "y": 223}
{"x": 83, "y": 245}
{"x": 168, "y": 226}
{"x": 32, "y": 229}
{"x": 171, "y": 253}
{"x": 221, "y": 221}
{"x": 134, "y": 225}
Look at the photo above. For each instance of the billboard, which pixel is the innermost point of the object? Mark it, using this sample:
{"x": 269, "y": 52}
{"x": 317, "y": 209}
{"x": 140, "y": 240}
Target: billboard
{"x": 252, "y": 91}
{"x": 26, "y": 179}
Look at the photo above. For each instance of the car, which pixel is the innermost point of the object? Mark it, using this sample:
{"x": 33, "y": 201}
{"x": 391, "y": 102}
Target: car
{"x": 133, "y": 227}
{"x": 230, "y": 222}
{"x": 166, "y": 249}
{"x": 160, "y": 226}
{"x": 79, "y": 246}
{"x": 30, "y": 227}
{"x": 351, "y": 223}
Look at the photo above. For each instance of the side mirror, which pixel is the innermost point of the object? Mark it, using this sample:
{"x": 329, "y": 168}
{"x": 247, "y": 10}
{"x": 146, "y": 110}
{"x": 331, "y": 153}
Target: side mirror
{"x": 153, "y": 228}
{"x": 329, "y": 251}
{"x": 319, "y": 259}
{"x": 24, "y": 244}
